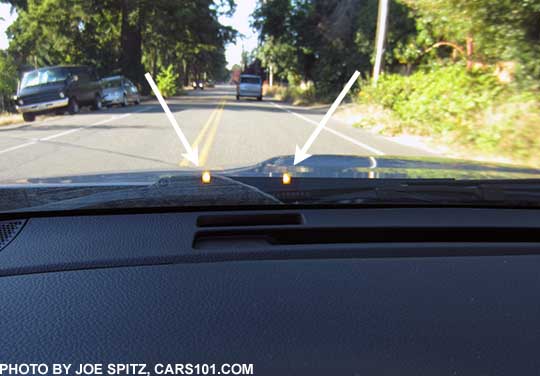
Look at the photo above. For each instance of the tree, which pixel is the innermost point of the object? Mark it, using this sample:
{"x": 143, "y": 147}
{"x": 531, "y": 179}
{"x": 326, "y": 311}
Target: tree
{"x": 123, "y": 36}
{"x": 64, "y": 31}
{"x": 281, "y": 56}
{"x": 8, "y": 79}
{"x": 498, "y": 30}
{"x": 324, "y": 41}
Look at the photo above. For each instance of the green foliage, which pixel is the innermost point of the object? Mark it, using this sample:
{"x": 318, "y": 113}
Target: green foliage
{"x": 8, "y": 81}
{"x": 435, "y": 102}
{"x": 281, "y": 56}
{"x": 167, "y": 81}
{"x": 470, "y": 108}
{"x": 503, "y": 30}
{"x": 324, "y": 41}
{"x": 302, "y": 94}
{"x": 60, "y": 31}
{"x": 8, "y": 75}
{"x": 123, "y": 36}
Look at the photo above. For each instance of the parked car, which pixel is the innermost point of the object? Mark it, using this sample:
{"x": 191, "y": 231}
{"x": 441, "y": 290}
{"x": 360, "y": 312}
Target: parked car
{"x": 119, "y": 90}
{"x": 58, "y": 89}
{"x": 250, "y": 86}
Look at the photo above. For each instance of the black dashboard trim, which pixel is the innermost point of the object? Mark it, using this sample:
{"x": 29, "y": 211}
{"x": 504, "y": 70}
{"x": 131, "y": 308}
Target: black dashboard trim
{"x": 235, "y": 208}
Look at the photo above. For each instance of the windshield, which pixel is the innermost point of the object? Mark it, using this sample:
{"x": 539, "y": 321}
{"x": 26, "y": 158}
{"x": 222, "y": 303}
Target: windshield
{"x": 109, "y": 84}
{"x": 43, "y": 76}
{"x": 280, "y": 96}
{"x": 250, "y": 80}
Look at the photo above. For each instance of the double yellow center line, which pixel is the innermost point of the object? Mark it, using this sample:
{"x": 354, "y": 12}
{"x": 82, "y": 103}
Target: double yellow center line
{"x": 207, "y": 135}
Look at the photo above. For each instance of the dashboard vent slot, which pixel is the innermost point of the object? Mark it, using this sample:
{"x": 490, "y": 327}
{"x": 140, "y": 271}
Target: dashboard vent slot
{"x": 298, "y": 236}
{"x": 250, "y": 220}
{"x": 8, "y": 231}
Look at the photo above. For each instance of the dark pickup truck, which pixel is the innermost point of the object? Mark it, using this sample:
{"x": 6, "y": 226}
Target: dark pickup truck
{"x": 58, "y": 89}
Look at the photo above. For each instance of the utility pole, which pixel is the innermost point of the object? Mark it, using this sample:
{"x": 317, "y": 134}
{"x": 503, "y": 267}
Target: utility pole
{"x": 243, "y": 62}
{"x": 380, "y": 38}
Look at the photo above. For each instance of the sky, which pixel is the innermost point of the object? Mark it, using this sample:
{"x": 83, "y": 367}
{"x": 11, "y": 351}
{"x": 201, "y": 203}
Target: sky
{"x": 240, "y": 21}
{"x": 8, "y": 19}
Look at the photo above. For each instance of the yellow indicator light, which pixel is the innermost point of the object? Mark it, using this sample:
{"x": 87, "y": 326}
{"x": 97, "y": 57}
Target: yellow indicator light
{"x": 206, "y": 178}
{"x": 286, "y": 179}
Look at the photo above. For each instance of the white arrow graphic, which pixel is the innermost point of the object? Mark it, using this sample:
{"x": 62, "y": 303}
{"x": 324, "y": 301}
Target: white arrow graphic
{"x": 301, "y": 154}
{"x": 192, "y": 154}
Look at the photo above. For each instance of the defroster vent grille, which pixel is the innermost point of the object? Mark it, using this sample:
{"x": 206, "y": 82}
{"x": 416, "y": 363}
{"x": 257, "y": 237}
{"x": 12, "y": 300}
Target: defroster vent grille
{"x": 8, "y": 231}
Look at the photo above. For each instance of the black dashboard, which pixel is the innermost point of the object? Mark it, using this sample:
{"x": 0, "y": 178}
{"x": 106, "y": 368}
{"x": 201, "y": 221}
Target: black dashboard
{"x": 378, "y": 291}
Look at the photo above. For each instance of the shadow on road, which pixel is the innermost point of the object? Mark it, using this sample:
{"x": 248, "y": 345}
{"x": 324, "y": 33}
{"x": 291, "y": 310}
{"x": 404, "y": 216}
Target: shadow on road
{"x": 193, "y": 100}
{"x": 231, "y": 105}
{"x": 112, "y": 152}
{"x": 63, "y": 127}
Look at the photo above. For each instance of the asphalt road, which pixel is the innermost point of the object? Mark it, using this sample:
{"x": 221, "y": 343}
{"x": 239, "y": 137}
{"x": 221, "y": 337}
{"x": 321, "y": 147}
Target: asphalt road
{"x": 228, "y": 133}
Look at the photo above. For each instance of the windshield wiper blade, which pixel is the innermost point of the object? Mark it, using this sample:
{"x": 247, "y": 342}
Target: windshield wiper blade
{"x": 515, "y": 192}
{"x": 508, "y": 193}
{"x": 457, "y": 193}
{"x": 410, "y": 191}
{"x": 402, "y": 194}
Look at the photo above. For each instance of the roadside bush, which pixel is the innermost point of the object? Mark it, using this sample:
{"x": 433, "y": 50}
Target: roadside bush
{"x": 278, "y": 92}
{"x": 435, "y": 102}
{"x": 469, "y": 108}
{"x": 303, "y": 94}
{"x": 167, "y": 81}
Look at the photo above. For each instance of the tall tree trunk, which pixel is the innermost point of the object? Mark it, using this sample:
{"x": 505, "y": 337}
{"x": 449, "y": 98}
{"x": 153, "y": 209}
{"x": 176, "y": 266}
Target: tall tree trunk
{"x": 470, "y": 51}
{"x": 155, "y": 62}
{"x": 131, "y": 43}
{"x": 186, "y": 77}
{"x": 185, "y": 72}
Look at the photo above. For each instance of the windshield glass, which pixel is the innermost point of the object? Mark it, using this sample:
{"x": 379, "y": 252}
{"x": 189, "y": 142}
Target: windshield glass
{"x": 108, "y": 84}
{"x": 43, "y": 76}
{"x": 277, "y": 95}
{"x": 250, "y": 80}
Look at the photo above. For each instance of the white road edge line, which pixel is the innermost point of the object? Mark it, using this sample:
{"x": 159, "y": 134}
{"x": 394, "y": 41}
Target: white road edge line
{"x": 17, "y": 147}
{"x": 398, "y": 142}
{"x": 52, "y": 137}
{"x": 334, "y": 132}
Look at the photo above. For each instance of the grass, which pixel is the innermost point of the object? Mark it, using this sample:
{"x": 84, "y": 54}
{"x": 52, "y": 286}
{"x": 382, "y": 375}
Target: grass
{"x": 9, "y": 118}
{"x": 304, "y": 95}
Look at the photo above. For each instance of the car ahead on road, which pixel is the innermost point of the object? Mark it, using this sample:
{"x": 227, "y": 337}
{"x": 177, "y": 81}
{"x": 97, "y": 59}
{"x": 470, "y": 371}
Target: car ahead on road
{"x": 250, "y": 86}
{"x": 119, "y": 90}
{"x": 58, "y": 89}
